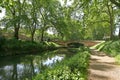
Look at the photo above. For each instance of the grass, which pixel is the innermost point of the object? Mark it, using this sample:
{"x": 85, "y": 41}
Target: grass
{"x": 117, "y": 58}
{"x": 99, "y": 45}
{"x": 111, "y": 48}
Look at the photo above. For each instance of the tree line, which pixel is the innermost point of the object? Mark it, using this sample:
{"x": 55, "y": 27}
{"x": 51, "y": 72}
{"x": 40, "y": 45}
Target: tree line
{"x": 81, "y": 19}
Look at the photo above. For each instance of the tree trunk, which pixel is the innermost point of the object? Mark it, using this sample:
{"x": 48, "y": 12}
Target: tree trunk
{"x": 16, "y": 27}
{"x": 119, "y": 33}
{"x": 111, "y": 21}
{"x": 33, "y": 32}
{"x": 14, "y": 75}
{"x": 111, "y": 31}
{"x": 32, "y": 36}
{"x": 16, "y": 33}
{"x": 42, "y": 35}
{"x": 32, "y": 68}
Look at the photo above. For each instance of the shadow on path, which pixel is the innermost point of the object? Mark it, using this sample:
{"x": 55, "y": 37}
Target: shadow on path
{"x": 102, "y": 67}
{"x": 99, "y": 77}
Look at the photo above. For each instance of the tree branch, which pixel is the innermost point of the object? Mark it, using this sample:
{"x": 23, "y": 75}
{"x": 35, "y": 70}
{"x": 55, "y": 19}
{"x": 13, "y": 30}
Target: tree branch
{"x": 116, "y": 3}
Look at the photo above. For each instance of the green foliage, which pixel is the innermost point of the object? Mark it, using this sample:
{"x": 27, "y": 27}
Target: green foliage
{"x": 50, "y": 45}
{"x": 82, "y": 19}
{"x": 13, "y": 47}
{"x": 99, "y": 46}
{"x": 74, "y": 68}
{"x": 117, "y": 58}
{"x": 112, "y": 47}
{"x": 80, "y": 49}
{"x": 2, "y": 41}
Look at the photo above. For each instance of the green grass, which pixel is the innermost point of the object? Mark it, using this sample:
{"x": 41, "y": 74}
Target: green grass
{"x": 117, "y": 58}
{"x": 98, "y": 46}
{"x": 74, "y": 68}
{"x": 111, "y": 48}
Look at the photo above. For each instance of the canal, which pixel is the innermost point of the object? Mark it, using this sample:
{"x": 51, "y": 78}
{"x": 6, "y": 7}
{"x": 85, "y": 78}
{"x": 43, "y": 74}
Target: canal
{"x": 25, "y": 67}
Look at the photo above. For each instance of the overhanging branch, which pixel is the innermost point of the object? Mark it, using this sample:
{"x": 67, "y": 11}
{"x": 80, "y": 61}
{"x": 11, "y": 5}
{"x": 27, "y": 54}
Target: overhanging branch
{"x": 117, "y": 3}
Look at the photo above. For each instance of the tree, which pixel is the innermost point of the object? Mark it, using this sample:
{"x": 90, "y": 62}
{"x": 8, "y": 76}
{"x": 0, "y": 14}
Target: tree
{"x": 110, "y": 12}
{"x": 100, "y": 13}
{"x": 48, "y": 14}
{"x": 116, "y": 2}
{"x": 14, "y": 14}
{"x": 32, "y": 14}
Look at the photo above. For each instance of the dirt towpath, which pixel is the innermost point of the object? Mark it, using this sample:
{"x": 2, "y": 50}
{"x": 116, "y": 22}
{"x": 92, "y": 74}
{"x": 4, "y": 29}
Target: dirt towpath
{"x": 103, "y": 67}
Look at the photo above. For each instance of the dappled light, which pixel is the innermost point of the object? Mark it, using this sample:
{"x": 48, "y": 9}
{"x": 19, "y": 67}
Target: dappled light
{"x": 59, "y": 39}
{"x": 102, "y": 66}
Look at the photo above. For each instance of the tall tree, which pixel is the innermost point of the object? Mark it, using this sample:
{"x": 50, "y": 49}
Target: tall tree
{"x": 111, "y": 17}
{"x": 117, "y": 3}
{"x": 33, "y": 18}
{"x": 47, "y": 12}
{"x": 14, "y": 14}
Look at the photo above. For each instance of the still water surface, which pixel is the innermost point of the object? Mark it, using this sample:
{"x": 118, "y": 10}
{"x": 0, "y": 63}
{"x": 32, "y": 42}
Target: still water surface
{"x": 25, "y": 67}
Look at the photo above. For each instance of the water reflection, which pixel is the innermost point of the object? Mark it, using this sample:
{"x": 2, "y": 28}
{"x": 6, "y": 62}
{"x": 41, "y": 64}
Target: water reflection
{"x": 25, "y": 67}
{"x": 50, "y": 61}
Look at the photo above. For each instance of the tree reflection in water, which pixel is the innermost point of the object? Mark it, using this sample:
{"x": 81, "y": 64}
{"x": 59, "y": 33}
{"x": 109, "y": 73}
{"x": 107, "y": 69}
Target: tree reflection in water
{"x": 27, "y": 66}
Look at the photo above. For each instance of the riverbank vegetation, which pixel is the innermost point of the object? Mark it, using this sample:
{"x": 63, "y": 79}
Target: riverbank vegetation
{"x": 14, "y": 47}
{"x": 29, "y": 26}
{"x": 112, "y": 48}
{"x": 73, "y": 68}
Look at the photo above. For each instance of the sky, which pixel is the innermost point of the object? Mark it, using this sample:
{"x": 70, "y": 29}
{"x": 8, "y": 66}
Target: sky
{"x": 117, "y": 31}
{"x": 69, "y": 2}
{"x": 2, "y": 14}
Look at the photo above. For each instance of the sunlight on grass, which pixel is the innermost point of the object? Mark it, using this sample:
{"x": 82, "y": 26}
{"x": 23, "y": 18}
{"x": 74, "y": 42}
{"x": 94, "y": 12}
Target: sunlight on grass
{"x": 101, "y": 43}
{"x": 117, "y": 58}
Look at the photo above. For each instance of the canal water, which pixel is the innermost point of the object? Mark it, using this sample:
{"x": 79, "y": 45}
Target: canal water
{"x": 25, "y": 67}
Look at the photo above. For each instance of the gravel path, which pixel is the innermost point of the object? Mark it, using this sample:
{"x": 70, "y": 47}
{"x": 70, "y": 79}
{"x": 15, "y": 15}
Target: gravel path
{"x": 103, "y": 67}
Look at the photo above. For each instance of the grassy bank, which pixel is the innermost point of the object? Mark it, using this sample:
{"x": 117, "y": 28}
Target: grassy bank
{"x": 74, "y": 68}
{"x": 14, "y": 47}
{"x": 112, "y": 48}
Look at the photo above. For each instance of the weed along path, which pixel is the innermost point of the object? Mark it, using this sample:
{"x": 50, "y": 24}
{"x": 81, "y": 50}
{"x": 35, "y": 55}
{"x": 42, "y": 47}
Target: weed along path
{"x": 103, "y": 67}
